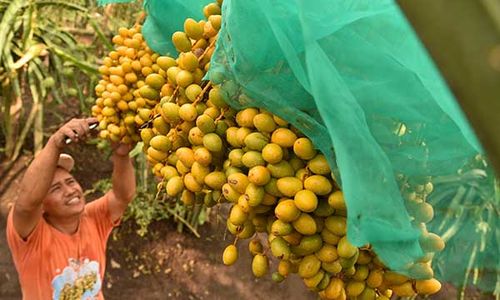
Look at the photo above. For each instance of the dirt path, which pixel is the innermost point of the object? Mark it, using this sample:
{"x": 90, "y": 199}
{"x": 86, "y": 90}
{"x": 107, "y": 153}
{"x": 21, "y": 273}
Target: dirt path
{"x": 180, "y": 266}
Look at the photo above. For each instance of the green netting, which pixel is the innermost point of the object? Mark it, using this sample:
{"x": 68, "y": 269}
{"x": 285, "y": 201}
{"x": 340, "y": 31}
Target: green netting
{"x": 166, "y": 17}
{"x": 353, "y": 76}
{"x": 104, "y": 2}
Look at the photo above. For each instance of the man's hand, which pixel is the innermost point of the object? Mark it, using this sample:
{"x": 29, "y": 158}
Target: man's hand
{"x": 121, "y": 149}
{"x": 123, "y": 180}
{"x": 76, "y": 130}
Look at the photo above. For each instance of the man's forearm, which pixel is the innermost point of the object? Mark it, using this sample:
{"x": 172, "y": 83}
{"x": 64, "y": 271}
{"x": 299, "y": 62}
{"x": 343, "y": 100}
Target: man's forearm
{"x": 123, "y": 178}
{"x": 38, "y": 177}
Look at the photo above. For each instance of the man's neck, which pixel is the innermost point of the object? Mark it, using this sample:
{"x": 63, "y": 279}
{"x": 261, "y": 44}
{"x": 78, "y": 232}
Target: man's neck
{"x": 67, "y": 225}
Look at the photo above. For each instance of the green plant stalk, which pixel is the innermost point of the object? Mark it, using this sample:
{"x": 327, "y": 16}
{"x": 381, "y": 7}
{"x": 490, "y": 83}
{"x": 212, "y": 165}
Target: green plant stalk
{"x": 101, "y": 35}
{"x": 189, "y": 213}
{"x": 143, "y": 173}
{"x": 24, "y": 131}
{"x": 28, "y": 26}
{"x": 91, "y": 86}
{"x": 196, "y": 214}
{"x": 458, "y": 218}
{"x": 38, "y": 129}
{"x": 81, "y": 98}
{"x": 61, "y": 3}
{"x": 7, "y": 92}
{"x": 454, "y": 203}
{"x": 38, "y": 121}
{"x": 40, "y": 75}
{"x": 7, "y": 124}
{"x": 206, "y": 213}
{"x": 180, "y": 214}
{"x": 56, "y": 32}
{"x": 184, "y": 222}
{"x": 56, "y": 60}
{"x": 472, "y": 258}
{"x": 84, "y": 66}
{"x": 14, "y": 93}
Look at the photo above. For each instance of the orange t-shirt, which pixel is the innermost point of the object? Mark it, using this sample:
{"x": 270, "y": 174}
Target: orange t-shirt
{"x": 54, "y": 265}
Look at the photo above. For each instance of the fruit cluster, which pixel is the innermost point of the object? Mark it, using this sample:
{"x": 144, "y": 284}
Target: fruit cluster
{"x": 124, "y": 95}
{"x": 279, "y": 186}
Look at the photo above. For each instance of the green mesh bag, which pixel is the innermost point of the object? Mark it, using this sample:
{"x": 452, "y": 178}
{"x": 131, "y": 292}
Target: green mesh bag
{"x": 104, "y": 2}
{"x": 353, "y": 76}
{"x": 164, "y": 18}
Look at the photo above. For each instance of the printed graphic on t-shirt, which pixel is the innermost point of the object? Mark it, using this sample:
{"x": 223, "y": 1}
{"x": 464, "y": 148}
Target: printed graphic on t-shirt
{"x": 79, "y": 280}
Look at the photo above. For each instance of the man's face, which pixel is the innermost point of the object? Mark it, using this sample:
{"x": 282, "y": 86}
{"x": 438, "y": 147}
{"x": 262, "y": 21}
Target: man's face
{"x": 65, "y": 196}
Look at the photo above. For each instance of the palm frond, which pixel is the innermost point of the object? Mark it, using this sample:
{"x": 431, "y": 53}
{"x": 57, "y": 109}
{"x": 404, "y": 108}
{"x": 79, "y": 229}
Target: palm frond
{"x": 9, "y": 17}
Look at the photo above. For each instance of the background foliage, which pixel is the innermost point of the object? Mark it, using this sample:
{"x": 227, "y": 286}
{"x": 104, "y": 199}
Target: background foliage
{"x": 50, "y": 50}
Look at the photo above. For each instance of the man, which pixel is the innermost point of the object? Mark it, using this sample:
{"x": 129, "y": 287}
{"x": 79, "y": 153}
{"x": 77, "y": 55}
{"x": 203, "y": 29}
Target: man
{"x": 58, "y": 242}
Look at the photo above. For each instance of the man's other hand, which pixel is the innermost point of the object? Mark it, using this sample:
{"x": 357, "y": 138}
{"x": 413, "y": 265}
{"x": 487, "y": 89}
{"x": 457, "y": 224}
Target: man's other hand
{"x": 121, "y": 149}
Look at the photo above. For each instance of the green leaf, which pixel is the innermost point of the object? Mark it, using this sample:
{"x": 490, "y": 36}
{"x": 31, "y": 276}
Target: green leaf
{"x": 8, "y": 20}
{"x": 40, "y": 73}
{"x": 104, "y": 2}
{"x": 13, "y": 75}
{"x": 37, "y": 101}
{"x": 56, "y": 65}
{"x": 6, "y": 52}
{"x": 51, "y": 30}
{"x": 137, "y": 149}
{"x": 6, "y": 118}
{"x": 24, "y": 132}
{"x": 28, "y": 26}
{"x": 65, "y": 55}
{"x": 81, "y": 97}
{"x": 33, "y": 51}
{"x": 61, "y": 3}
{"x": 454, "y": 208}
{"x": 82, "y": 65}
{"x": 101, "y": 35}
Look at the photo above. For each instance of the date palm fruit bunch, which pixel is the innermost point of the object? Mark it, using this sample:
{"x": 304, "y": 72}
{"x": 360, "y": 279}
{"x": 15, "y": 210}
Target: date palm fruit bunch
{"x": 282, "y": 191}
{"x": 126, "y": 93}
{"x": 183, "y": 140}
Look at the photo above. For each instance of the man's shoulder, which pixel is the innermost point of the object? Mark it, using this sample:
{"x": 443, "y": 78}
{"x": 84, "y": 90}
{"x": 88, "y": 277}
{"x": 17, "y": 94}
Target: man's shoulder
{"x": 18, "y": 245}
{"x": 100, "y": 202}
{"x": 96, "y": 209}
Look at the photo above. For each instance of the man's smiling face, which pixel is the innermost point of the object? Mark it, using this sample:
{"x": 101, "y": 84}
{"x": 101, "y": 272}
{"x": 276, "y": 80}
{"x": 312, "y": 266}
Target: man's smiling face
{"x": 65, "y": 196}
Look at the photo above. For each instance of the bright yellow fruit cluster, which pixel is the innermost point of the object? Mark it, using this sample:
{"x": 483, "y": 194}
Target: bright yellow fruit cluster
{"x": 284, "y": 197}
{"x": 124, "y": 94}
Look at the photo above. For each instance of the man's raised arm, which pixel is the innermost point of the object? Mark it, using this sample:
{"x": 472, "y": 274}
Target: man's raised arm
{"x": 38, "y": 177}
{"x": 123, "y": 180}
